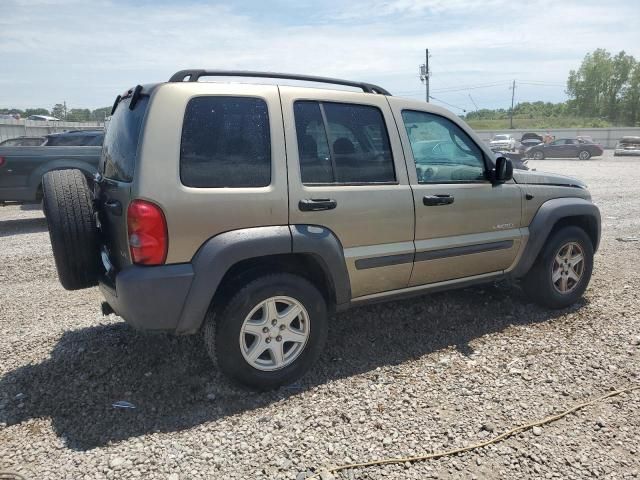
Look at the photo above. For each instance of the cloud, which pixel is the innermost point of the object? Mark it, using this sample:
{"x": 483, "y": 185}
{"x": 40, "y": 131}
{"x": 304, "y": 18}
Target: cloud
{"x": 87, "y": 52}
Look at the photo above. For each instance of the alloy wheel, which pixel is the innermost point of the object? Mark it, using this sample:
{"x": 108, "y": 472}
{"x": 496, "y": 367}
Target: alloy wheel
{"x": 274, "y": 333}
{"x": 568, "y": 267}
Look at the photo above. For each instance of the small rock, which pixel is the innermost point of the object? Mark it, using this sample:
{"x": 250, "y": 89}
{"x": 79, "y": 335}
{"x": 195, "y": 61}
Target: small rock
{"x": 600, "y": 423}
{"x": 478, "y": 461}
{"x": 211, "y": 396}
{"x": 537, "y": 431}
{"x": 489, "y": 427}
{"x": 173, "y": 476}
{"x": 116, "y": 462}
{"x": 326, "y": 475}
{"x": 636, "y": 340}
{"x": 386, "y": 441}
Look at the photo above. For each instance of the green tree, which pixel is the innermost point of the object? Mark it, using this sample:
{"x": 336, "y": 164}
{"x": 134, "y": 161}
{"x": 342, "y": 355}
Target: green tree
{"x": 58, "y": 111}
{"x": 79, "y": 115}
{"x": 602, "y": 86}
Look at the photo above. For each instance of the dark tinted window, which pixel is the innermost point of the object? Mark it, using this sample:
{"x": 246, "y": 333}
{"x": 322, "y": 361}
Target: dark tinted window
{"x": 350, "y": 144}
{"x": 225, "y": 143}
{"x": 121, "y": 140}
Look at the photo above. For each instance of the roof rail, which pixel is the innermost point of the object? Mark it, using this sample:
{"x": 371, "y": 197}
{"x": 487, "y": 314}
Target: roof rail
{"x": 194, "y": 75}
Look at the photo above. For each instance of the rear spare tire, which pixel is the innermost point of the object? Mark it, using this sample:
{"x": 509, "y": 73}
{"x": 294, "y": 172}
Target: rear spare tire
{"x": 72, "y": 228}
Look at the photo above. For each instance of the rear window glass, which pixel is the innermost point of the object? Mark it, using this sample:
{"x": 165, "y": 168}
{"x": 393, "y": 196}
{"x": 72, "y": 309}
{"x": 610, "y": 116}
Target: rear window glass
{"x": 225, "y": 143}
{"x": 121, "y": 140}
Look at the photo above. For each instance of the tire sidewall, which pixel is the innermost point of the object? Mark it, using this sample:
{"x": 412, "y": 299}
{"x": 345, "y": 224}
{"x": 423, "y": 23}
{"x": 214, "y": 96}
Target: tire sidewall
{"x": 554, "y": 298}
{"x": 227, "y": 338}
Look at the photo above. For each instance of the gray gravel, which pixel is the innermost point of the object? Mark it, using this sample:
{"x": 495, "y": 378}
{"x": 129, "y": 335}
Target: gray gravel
{"x": 401, "y": 378}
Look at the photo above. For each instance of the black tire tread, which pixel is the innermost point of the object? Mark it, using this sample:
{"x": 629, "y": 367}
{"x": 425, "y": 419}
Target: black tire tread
{"x": 217, "y": 317}
{"x": 72, "y": 229}
{"x": 537, "y": 282}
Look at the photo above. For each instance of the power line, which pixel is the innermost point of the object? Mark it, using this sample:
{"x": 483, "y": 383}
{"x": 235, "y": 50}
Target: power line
{"x": 448, "y": 104}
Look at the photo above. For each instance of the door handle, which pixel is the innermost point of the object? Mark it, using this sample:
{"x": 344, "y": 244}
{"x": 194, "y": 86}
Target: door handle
{"x": 114, "y": 206}
{"x": 436, "y": 200}
{"x": 317, "y": 204}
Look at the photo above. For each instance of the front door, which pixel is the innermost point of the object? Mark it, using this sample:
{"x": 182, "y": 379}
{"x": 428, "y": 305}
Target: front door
{"x": 465, "y": 225}
{"x": 347, "y": 174}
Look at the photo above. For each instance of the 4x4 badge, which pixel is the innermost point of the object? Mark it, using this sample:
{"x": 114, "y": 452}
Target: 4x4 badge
{"x": 503, "y": 226}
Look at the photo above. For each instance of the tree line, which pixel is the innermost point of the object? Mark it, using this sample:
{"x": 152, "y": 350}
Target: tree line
{"x": 604, "y": 91}
{"x": 60, "y": 111}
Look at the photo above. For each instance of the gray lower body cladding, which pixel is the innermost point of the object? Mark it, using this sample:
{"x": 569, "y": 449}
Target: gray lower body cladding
{"x": 176, "y": 297}
{"x": 150, "y": 298}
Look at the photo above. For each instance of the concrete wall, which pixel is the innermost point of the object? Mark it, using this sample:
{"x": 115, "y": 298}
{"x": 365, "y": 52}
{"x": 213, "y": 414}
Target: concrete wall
{"x": 19, "y": 128}
{"x": 607, "y": 137}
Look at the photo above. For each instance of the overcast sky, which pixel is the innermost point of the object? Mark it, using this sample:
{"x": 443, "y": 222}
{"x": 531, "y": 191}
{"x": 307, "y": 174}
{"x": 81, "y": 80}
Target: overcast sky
{"x": 88, "y": 51}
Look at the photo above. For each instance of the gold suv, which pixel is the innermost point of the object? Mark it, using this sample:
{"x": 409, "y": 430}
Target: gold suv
{"x": 251, "y": 212}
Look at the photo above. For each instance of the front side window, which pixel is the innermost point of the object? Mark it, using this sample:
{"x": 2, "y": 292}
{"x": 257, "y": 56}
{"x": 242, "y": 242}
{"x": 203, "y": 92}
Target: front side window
{"x": 341, "y": 143}
{"x": 225, "y": 143}
{"x": 442, "y": 151}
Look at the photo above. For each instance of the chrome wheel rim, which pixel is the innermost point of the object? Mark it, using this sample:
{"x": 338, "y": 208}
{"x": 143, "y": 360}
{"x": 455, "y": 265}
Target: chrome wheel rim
{"x": 568, "y": 267}
{"x": 274, "y": 333}
{"x": 538, "y": 155}
{"x": 584, "y": 155}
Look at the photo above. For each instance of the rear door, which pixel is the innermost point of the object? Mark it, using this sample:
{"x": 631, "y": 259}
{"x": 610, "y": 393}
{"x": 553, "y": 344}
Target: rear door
{"x": 347, "y": 173}
{"x": 117, "y": 166}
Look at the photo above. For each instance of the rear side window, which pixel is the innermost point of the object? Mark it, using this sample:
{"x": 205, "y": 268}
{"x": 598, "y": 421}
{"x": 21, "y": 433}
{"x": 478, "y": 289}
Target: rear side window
{"x": 342, "y": 143}
{"x": 225, "y": 143}
{"x": 121, "y": 140}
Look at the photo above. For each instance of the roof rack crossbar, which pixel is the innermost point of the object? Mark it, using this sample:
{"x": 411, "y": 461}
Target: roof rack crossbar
{"x": 194, "y": 76}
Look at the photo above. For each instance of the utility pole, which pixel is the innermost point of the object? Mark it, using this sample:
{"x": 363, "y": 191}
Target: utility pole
{"x": 426, "y": 62}
{"x": 424, "y": 74}
{"x": 473, "y": 101}
{"x": 513, "y": 92}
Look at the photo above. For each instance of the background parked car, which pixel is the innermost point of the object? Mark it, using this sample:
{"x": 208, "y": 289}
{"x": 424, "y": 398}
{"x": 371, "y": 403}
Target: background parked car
{"x": 503, "y": 142}
{"x": 23, "y": 142}
{"x": 43, "y": 118}
{"x": 565, "y": 148}
{"x": 22, "y": 167}
{"x": 76, "y": 138}
{"x": 627, "y": 146}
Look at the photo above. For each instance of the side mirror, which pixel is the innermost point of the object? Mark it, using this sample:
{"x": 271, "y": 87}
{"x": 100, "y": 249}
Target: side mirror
{"x": 503, "y": 171}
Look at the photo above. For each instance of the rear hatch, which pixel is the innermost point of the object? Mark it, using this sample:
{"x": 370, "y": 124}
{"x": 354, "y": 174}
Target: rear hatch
{"x": 117, "y": 169}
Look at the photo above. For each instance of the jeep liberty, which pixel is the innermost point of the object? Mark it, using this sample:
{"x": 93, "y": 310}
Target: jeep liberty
{"x": 252, "y": 212}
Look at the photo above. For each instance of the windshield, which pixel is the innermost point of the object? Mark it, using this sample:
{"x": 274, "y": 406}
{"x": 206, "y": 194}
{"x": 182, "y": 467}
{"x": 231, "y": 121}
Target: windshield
{"x": 501, "y": 137}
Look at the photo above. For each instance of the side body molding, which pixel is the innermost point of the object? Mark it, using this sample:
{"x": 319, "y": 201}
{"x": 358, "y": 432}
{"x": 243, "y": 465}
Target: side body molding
{"x": 548, "y": 214}
{"x": 218, "y": 254}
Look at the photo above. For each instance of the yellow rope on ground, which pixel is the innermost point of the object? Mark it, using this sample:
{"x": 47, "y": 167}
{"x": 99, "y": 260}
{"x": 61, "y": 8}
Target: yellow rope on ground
{"x": 421, "y": 458}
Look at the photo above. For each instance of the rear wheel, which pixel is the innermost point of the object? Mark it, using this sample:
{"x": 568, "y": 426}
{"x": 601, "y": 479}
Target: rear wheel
{"x": 563, "y": 269}
{"x": 269, "y": 333}
{"x": 68, "y": 207}
{"x": 584, "y": 155}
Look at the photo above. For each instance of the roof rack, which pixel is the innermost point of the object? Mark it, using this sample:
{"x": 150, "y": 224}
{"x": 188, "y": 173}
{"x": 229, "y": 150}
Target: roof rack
{"x": 194, "y": 76}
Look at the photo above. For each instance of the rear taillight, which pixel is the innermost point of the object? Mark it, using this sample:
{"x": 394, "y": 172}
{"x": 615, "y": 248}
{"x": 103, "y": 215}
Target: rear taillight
{"x": 148, "y": 240}
{"x": 2, "y": 162}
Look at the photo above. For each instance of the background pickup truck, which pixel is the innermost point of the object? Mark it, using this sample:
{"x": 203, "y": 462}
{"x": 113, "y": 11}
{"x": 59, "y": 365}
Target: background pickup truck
{"x": 22, "y": 168}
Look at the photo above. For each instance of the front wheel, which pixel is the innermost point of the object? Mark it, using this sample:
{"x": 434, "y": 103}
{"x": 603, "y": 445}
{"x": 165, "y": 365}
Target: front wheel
{"x": 584, "y": 155}
{"x": 270, "y": 332}
{"x": 562, "y": 271}
{"x": 538, "y": 155}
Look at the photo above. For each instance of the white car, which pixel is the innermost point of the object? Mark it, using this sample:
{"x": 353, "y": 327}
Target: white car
{"x": 502, "y": 142}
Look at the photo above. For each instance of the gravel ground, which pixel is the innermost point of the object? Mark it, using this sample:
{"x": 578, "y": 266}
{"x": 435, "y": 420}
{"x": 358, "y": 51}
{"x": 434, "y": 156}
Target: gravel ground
{"x": 401, "y": 378}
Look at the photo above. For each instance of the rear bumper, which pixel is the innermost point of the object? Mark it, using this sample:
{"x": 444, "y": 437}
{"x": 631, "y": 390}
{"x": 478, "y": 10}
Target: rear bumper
{"x": 626, "y": 151}
{"x": 149, "y": 298}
